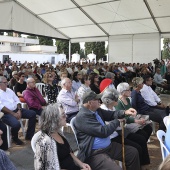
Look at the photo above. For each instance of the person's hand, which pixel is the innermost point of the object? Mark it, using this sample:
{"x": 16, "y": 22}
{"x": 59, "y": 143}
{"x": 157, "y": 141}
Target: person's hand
{"x": 141, "y": 121}
{"x": 85, "y": 167}
{"x": 131, "y": 111}
{"x": 19, "y": 114}
{"x": 77, "y": 98}
{"x": 161, "y": 106}
{"x": 16, "y": 115}
{"x": 43, "y": 107}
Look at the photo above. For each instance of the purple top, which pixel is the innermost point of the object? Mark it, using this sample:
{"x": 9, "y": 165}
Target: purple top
{"x": 33, "y": 98}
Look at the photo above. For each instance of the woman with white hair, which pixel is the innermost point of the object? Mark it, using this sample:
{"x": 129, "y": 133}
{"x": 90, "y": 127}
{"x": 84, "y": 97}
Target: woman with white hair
{"x": 52, "y": 149}
{"x": 124, "y": 103}
{"x": 110, "y": 100}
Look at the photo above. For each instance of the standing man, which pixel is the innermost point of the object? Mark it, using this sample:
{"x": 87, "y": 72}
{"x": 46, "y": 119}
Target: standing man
{"x": 68, "y": 99}
{"x": 33, "y": 97}
{"x": 11, "y": 106}
{"x": 93, "y": 136}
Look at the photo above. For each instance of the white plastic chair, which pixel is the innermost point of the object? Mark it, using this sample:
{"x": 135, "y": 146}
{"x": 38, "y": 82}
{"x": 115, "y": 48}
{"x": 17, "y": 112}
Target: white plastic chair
{"x": 160, "y": 134}
{"x": 40, "y": 86}
{"x": 34, "y": 139}
{"x": 74, "y": 130}
{"x": 8, "y": 135}
{"x": 166, "y": 121}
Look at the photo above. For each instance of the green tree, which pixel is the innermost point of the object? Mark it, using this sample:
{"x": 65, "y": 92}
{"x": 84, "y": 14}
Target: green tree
{"x": 75, "y": 47}
{"x": 62, "y": 46}
{"x": 45, "y": 41}
{"x": 98, "y": 48}
{"x": 166, "y": 49}
{"x": 32, "y": 36}
{"x": 82, "y": 55}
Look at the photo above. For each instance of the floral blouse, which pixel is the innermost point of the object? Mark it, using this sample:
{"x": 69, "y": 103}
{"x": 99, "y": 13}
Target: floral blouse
{"x": 51, "y": 93}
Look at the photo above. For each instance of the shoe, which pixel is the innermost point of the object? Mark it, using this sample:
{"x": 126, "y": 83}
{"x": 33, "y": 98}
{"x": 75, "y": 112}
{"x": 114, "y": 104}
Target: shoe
{"x": 17, "y": 141}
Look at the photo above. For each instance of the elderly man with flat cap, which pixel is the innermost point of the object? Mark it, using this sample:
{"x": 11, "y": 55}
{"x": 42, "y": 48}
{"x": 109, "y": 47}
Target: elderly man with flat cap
{"x": 93, "y": 136}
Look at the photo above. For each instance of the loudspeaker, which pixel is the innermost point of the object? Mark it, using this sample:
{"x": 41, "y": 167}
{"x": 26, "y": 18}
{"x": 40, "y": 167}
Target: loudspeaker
{"x": 5, "y": 58}
{"x": 104, "y": 58}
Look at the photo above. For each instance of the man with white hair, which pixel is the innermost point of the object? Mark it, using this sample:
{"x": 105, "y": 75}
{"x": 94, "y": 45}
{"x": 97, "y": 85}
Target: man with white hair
{"x": 68, "y": 99}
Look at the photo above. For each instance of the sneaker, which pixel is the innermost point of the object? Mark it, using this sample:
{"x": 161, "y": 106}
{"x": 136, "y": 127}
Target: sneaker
{"x": 18, "y": 141}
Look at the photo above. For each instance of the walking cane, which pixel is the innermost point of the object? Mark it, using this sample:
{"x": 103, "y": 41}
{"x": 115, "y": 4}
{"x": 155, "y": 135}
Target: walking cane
{"x": 123, "y": 146}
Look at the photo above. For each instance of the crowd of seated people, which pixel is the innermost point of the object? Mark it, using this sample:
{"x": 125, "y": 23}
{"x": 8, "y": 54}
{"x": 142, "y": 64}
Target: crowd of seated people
{"x": 67, "y": 83}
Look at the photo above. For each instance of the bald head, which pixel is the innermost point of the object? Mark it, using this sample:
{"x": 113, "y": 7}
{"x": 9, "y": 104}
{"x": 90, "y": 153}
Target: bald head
{"x": 66, "y": 84}
{"x": 30, "y": 83}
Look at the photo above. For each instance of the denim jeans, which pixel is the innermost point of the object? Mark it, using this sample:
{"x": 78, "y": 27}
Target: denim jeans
{"x": 15, "y": 124}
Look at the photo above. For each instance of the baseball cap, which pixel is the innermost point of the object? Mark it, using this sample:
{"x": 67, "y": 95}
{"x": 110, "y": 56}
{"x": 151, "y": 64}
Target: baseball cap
{"x": 90, "y": 95}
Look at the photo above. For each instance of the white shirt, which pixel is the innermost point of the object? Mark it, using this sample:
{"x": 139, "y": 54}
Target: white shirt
{"x": 149, "y": 96}
{"x": 130, "y": 68}
{"x": 8, "y": 99}
{"x": 121, "y": 69}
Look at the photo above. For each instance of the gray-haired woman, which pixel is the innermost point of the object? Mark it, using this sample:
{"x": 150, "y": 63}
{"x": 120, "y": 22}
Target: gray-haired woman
{"x": 52, "y": 149}
{"x": 110, "y": 100}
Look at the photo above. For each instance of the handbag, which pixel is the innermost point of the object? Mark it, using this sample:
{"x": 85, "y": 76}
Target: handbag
{"x": 134, "y": 127}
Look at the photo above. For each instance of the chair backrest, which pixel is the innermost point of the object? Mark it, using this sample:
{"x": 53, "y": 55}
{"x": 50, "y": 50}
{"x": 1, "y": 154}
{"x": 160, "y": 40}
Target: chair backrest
{"x": 40, "y": 87}
{"x": 166, "y": 121}
{"x": 164, "y": 150}
{"x": 34, "y": 139}
{"x": 74, "y": 130}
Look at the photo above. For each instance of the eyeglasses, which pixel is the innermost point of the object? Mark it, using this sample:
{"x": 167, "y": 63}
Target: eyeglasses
{"x": 96, "y": 77}
{"x": 22, "y": 76}
{"x": 50, "y": 76}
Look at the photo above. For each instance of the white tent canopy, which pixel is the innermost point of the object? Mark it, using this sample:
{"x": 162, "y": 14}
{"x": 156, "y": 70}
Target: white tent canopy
{"x": 86, "y": 20}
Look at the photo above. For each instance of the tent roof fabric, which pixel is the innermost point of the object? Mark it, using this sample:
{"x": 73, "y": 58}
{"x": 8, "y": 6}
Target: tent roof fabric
{"x": 87, "y": 19}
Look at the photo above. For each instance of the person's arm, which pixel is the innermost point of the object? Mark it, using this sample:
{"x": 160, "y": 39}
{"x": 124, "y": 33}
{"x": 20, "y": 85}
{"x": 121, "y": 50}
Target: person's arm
{"x": 31, "y": 100}
{"x": 147, "y": 95}
{"x": 82, "y": 165}
{"x": 5, "y": 110}
{"x": 64, "y": 98}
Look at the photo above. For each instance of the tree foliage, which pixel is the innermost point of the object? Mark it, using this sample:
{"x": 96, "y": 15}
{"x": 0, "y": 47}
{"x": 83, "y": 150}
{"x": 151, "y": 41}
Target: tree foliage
{"x": 98, "y": 48}
{"x": 32, "y": 36}
{"x": 82, "y": 55}
{"x": 166, "y": 49}
{"x": 45, "y": 41}
{"x": 75, "y": 47}
{"x": 62, "y": 47}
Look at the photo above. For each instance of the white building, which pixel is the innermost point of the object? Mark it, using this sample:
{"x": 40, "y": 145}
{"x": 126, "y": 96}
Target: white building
{"x": 25, "y": 49}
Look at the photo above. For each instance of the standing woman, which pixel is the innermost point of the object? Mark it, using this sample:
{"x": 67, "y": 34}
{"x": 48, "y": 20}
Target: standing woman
{"x": 51, "y": 89}
{"x": 94, "y": 78}
{"x": 20, "y": 86}
{"x": 85, "y": 86}
{"x": 52, "y": 149}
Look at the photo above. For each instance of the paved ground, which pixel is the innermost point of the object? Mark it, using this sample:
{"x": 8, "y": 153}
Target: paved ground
{"x": 22, "y": 157}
